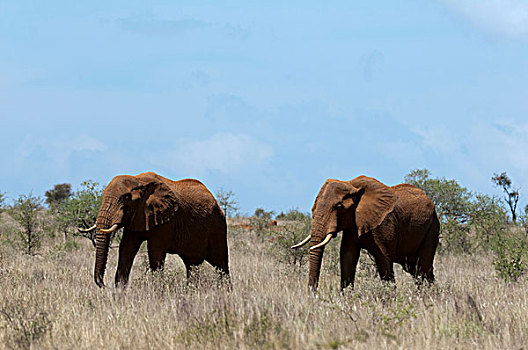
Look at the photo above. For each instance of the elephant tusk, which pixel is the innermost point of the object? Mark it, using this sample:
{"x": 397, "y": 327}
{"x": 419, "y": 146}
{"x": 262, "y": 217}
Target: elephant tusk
{"x": 323, "y": 243}
{"x": 85, "y": 230}
{"x": 304, "y": 241}
{"x": 109, "y": 230}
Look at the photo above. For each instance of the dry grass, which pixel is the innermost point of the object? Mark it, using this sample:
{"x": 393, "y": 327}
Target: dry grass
{"x": 50, "y": 301}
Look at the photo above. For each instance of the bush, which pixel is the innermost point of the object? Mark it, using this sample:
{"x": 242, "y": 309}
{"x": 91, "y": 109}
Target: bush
{"x": 511, "y": 256}
{"x": 261, "y": 220}
{"x": 286, "y": 236}
{"x": 27, "y": 211}
{"x": 58, "y": 194}
{"x": 488, "y": 220}
{"x": 2, "y": 201}
{"x": 80, "y": 210}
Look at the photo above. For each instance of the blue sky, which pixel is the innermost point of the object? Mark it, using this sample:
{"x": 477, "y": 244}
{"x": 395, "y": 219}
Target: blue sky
{"x": 265, "y": 99}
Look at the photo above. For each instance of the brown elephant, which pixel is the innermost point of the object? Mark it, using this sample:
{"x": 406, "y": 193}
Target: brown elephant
{"x": 394, "y": 224}
{"x": 175, "y": 217}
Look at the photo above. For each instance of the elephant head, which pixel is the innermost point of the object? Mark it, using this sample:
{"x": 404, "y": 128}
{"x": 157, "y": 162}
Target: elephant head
{"x": 137, "y": 203}
{"x": 359, "y": 205}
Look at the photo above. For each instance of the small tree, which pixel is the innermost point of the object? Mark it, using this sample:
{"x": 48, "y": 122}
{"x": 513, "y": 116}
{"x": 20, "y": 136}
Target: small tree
{"x": 58, "y": 194}
{"x": 80, "y": 209}
{"x": 227, "y": 202}
{"x": 26, "y": 212}
{"x": 488, "y": 218}
{"x": 512, "y": 194}
{"x": 2, "y": 200}
{"x": 261, "y": 220}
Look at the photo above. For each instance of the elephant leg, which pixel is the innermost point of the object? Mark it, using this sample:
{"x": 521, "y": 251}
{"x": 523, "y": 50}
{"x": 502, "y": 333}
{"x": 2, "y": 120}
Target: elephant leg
{"x": 424, "y": 268}
{"x": 383, "y": 263}
{"x": 349, "y": 257}
{"x": 221, "y": 265}
{"x": 190, "y": 265}
{"x": 409, "y": 266}
{"x": 426, "y": 253}
{"x": 156, "y": 256}
{"x": 127, "y": 252}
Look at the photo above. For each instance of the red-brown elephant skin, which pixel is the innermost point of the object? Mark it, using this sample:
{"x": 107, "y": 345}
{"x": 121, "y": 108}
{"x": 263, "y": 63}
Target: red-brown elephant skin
{"x": 395, "y": 224}
{"x": 174, "y": 217}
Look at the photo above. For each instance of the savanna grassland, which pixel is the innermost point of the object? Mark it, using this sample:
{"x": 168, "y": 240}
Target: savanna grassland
{"x": 49, "y": 300}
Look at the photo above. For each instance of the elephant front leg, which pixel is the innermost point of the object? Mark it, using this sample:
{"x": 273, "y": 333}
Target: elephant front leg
{"x": 349, "y": 257}
{"x": 127, "y": 252}
{"x": 156, "y": 254}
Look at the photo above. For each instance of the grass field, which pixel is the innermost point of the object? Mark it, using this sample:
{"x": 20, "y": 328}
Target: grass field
{"x": 50, "y": 301}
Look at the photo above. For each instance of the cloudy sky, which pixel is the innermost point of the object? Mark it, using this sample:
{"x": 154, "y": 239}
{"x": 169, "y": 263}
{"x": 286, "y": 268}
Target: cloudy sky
{"x": 267, "y": 99}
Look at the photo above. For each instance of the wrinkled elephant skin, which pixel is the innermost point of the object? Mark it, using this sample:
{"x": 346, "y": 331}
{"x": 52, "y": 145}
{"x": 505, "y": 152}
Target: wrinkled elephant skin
{"x": 174, "y": 217}
{"x": 394, "y": 224}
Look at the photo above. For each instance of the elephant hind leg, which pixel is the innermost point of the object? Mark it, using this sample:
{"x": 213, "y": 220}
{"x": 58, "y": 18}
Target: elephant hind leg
{"x": 191, "y": 265}
{"x": 218, "y": 256}
{"x": 221, "y": 265}
{"x": 409, "y": 266}
{"x": 384, "y": 264}
{"x": 427, "y": 252}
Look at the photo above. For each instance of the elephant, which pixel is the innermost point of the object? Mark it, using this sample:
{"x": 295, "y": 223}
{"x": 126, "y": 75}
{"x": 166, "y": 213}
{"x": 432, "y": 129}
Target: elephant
{"x": 395, "y": 224}
{"x": 174, "y": 217}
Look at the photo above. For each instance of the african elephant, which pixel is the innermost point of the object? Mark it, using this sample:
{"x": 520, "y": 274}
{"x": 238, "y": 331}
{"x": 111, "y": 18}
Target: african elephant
{"x": 175, "y": 217}
{"x": 394, "y": 224}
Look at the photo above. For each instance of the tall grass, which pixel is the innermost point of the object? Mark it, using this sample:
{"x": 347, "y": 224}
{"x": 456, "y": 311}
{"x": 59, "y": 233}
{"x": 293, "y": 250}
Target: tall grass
{"x": 50, "y": 301}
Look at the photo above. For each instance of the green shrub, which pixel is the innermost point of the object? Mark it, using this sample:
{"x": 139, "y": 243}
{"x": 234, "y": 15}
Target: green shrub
{"x": 28, "y": 213}
{"x": 261, "y": 220}
{"x": 286, "y": 236}
{"x": 511, "y": 256}
{"x": 79, "y": 210}
{"x": 2, "y": 201}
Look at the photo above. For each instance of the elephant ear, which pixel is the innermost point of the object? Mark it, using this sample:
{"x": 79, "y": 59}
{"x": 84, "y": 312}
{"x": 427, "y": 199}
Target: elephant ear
{"x": 377, "y": 201}
{"x": 160, "y": 204}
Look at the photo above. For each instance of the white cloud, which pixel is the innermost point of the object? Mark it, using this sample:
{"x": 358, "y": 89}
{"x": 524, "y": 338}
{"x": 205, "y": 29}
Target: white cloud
{"x": 473, "y": 153}
{"x": 509, "y": 17}
{"x": 439, "y": 139}
{"x": 61, "y": 147}
{"x": 506, "y": 143}
{"x": 56, "y": 151}
{"x": 221, "y": 152}
{"x": 87, "y": 143}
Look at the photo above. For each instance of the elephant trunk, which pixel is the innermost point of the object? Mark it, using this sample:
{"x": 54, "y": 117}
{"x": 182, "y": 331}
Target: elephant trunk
{"x": 102, "y": 240}
{"x": 316, "y": 255}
